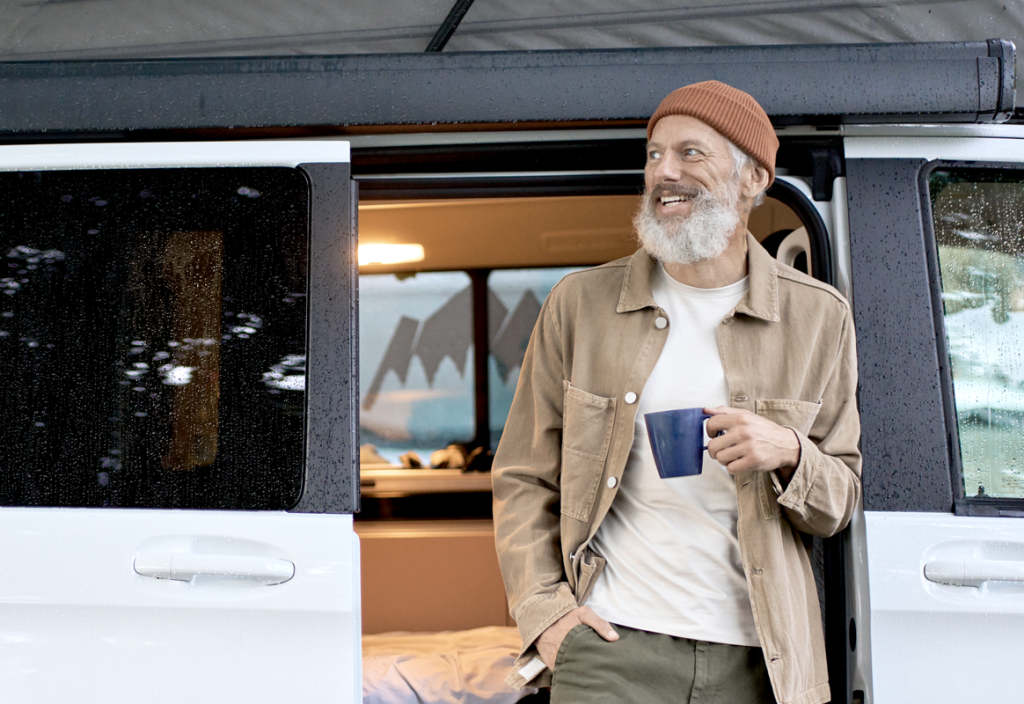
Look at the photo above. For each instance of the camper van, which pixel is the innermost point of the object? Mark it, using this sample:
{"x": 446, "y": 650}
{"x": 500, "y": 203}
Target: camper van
{"x": 262, "y": 321}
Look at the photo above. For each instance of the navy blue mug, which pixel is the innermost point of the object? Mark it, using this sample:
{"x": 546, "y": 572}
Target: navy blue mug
{"x": 677, "y": 440}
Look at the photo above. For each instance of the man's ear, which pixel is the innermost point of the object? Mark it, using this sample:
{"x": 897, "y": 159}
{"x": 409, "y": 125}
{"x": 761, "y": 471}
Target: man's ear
{"x": 755, "y": 180}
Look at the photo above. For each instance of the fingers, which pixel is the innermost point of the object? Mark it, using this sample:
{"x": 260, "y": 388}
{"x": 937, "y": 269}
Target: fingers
{"x": 725, "y": 418}
{"x": 550, "y": 640}
{"x": 736, "y": 462}
{"x": 602, "y": 627}
{"x": 759, "y": 445}
{"x": 723, "y": 410}
{"x": 725, "y": 433}
{"x": 729, "y": 452}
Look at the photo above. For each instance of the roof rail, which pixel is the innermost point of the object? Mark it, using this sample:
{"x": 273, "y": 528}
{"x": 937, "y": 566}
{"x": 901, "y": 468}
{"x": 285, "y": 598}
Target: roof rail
{"x": 805, "y": 84}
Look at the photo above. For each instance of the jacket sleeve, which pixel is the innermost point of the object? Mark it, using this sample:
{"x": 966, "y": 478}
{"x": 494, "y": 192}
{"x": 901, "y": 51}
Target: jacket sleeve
{"x": 825, "y": 487}
{"x": 526, "y": 476}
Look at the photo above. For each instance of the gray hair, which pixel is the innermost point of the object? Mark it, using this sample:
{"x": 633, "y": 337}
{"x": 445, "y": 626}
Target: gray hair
{"x": 740, "y": 159}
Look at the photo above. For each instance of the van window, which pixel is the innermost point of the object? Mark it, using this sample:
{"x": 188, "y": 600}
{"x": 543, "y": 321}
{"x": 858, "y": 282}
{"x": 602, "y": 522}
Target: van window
{"x": 416, "y": 355}
{"x": 152, "y": 337}
{"x": 519, "y": 294}
{"x": 418, "y": 315}
{"x": 464, "y": 271}
{"x": 979, "y": 231}
{"x": 416, "y": 362}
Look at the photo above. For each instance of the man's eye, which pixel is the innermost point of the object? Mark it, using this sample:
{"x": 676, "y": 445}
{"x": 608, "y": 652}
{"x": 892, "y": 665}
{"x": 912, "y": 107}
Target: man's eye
{"x": 653, "y": 155}
{"x": 690, "y": 152}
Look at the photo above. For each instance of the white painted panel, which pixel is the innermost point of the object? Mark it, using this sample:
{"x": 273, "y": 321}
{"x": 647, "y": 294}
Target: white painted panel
{"x": 946, "y": 129}
{"x": 931, "y": 148}
{"x": 155, "y": 155}
{"x": 934, "y": 643}
{"x": 78, "y": 624}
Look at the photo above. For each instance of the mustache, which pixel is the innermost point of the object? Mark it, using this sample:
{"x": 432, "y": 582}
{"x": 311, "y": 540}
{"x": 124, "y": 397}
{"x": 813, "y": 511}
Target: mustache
{"x": 675, "y": 189}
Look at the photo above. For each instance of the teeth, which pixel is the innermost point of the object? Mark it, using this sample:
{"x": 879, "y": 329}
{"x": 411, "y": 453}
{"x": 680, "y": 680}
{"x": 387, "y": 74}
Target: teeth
{"x": 668, "y": 200}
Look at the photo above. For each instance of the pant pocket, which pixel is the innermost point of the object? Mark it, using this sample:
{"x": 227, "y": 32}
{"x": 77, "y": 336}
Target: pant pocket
{"x": 566, "y": 643}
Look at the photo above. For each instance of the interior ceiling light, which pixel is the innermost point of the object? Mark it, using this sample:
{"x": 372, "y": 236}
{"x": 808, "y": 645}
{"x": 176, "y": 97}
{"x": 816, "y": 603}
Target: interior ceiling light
{"x": 390, "y": 253}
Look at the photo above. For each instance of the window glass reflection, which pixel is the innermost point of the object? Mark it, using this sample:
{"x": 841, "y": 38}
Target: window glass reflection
{"x": 152, "y": 337}
{"x": 515, "y": 302}
{"x": 979, "y": 229}
{"x": 416, "y": 362}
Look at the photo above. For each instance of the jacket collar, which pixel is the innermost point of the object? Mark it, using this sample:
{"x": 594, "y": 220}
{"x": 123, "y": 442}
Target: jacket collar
{"x": 761, "y": 301}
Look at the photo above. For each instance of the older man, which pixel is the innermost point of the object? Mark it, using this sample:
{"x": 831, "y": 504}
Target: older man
{"x": 632, "y": 588}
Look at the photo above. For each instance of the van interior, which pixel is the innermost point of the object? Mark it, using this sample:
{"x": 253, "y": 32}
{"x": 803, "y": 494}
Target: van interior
{"x": 457, "y": 275}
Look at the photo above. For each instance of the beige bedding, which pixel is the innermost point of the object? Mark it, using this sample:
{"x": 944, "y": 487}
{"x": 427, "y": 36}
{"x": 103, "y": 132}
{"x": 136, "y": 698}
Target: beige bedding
{"x": 468, "y": 667}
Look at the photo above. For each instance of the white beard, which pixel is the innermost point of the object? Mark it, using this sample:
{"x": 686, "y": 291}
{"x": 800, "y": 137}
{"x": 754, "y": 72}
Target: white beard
{"x": 702, "y": 235}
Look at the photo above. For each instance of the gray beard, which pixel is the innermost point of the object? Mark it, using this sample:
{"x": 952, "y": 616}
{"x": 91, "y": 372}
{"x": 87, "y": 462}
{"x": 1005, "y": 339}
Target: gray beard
{"x": 702, "y": 235}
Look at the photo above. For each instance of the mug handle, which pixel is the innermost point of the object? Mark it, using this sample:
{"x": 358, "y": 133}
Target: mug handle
{"x": 704, "y": 417}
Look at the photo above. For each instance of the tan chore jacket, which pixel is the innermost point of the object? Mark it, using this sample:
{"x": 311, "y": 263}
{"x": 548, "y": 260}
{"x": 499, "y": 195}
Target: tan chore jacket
{"x": 788, "y": 354}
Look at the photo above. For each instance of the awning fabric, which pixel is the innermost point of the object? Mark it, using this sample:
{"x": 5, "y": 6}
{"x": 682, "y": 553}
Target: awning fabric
{"x": 110, "y": 29}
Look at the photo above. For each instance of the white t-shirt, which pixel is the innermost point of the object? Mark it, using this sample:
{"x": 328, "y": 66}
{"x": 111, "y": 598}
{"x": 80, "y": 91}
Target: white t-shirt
{"x": 673, "y": 557}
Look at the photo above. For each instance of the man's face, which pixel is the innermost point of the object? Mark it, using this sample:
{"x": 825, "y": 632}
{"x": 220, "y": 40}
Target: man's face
{"x": 690, "y": 209}
{"x": 685, "y": 156}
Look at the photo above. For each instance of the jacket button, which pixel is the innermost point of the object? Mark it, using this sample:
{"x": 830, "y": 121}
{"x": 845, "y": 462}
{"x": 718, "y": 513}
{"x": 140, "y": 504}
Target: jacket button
{"x": 612, "y": 481}
{"x": 661, "y": 323}
{"x": 630, "y": 397}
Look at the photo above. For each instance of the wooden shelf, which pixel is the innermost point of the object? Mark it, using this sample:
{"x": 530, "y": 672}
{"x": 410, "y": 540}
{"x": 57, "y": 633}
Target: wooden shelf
{"x": 392, "y": 483}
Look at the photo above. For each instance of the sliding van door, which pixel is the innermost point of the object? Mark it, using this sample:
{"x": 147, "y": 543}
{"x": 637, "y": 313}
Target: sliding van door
{"x": 938, "y": 280}
{"x": 177, "y": 358}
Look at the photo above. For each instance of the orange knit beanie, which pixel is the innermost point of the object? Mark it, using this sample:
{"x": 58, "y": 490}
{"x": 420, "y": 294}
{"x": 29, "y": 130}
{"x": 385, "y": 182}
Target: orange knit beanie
{"x": 729, "y": 110}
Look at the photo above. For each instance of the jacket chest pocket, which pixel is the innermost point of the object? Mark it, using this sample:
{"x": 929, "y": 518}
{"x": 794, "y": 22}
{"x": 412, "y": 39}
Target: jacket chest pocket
{"x": 789, "y": 413}
{"x": 587, "y": 422}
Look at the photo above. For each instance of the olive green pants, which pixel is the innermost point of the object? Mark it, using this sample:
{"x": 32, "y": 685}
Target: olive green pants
{"x": 651, "y": 668}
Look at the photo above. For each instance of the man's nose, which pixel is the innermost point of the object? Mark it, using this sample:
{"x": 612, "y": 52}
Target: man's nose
{"x": 666, "y": 170}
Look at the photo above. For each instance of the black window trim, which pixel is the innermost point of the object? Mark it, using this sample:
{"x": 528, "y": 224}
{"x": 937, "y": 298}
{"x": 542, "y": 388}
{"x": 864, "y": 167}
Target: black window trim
{"x": 963, "y": 505}
{"x": 897, "y": 362}
{"x": 331, "y": 479}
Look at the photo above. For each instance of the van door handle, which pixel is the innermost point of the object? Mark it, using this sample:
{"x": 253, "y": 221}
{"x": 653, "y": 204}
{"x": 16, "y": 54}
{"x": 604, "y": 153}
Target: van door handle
{"x": 184, "y": 566}
{"x": 973, "y": 573}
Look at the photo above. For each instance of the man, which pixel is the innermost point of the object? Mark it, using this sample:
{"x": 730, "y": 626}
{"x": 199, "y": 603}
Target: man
{"x": 631, "y": 588}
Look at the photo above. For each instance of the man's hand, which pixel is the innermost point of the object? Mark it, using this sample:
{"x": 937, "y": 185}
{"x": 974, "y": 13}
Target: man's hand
{"x": 751, "y": 442}
{"x": 551, "y": 640}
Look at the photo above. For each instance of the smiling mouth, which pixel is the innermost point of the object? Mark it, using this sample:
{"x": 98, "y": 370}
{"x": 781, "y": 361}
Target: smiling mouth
{"x": 674, "y": 200}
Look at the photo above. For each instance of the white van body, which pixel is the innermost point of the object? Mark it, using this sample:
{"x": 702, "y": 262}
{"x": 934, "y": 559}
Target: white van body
{"x": 118, "y": 605}
{"x": 926, "y": 598}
